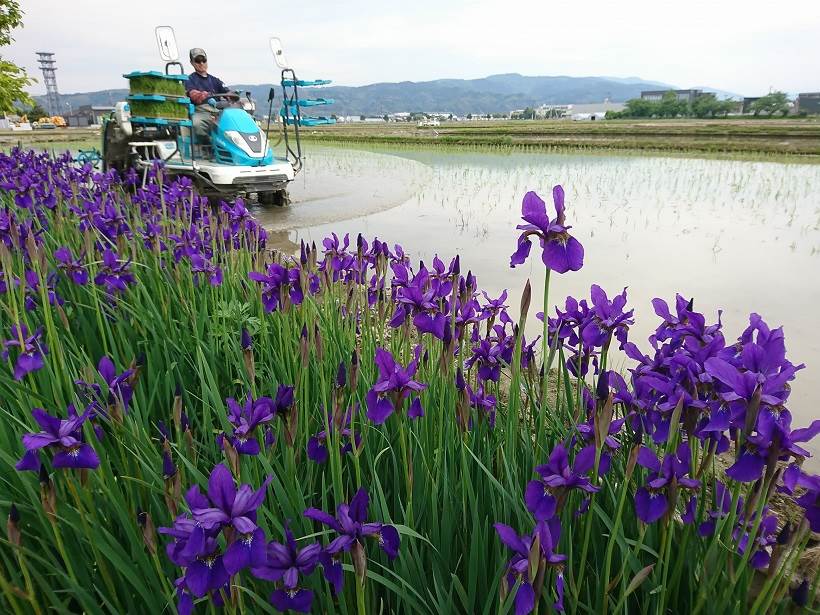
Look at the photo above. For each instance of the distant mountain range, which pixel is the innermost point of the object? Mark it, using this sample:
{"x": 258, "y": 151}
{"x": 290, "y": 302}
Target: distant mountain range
{"x": 496, "y": 93}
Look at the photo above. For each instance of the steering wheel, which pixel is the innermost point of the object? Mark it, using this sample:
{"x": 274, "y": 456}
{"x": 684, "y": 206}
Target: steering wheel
{"x": 226, "y": 95}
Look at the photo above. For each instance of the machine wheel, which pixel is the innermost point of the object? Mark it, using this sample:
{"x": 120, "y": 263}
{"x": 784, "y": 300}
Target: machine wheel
{"x": 274, "y": 198}
{"x": 115, "y": 154}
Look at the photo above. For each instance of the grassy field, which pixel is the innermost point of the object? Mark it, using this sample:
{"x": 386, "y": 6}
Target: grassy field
{"x": 791, "y": 139}
{"x": 48, "y": 138}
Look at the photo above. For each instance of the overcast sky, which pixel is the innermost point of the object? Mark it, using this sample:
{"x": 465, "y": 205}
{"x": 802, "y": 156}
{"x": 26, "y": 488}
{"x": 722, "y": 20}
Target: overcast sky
{"x": 743, "y": 46}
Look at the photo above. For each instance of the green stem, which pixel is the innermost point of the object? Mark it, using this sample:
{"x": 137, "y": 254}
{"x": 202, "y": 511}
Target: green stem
{"x": 545, "y": 376}
{"x": 666, "y": 548}
{"x": 8, "y": 592}
{"x": 361, "y": 607}
{"x": 610, "y": 546}
{"x": 61, "y": 550}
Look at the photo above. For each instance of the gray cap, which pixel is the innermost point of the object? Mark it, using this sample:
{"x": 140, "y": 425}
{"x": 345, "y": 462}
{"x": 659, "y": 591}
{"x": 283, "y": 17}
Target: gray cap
{"x": 197, "y": 51}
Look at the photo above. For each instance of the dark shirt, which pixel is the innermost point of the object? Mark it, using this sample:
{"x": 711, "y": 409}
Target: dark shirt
{"x": 209, "y": 83}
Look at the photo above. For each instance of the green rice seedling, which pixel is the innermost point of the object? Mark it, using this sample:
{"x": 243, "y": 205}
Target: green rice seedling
{"x": 156, "y": 109}
{"x": 146, "y": 84}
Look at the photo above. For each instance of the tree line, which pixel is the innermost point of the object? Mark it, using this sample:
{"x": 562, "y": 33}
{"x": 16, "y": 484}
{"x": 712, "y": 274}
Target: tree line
{"x": 704, "y": 106}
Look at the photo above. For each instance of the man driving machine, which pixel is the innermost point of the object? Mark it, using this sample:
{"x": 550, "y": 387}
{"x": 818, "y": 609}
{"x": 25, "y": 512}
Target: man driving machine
{"x": 203, "y": 89}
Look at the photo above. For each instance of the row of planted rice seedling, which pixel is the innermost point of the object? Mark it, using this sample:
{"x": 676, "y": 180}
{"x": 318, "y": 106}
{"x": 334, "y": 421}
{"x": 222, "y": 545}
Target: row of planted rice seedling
{"x": 192, "y": 421}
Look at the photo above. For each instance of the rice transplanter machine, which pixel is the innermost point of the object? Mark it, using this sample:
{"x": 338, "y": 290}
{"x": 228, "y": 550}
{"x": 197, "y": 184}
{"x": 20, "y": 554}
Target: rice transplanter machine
{"x": 237, "y": 158}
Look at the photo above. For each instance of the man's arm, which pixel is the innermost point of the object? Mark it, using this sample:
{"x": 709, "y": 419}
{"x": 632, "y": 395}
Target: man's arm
{"x": 221, "y": 88}
{"x": 198, "y": 96}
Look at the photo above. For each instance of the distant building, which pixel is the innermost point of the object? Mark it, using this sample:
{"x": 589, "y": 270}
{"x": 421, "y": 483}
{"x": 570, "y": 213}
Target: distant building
{"x": 596, "y": 108}
{"x": 685, "y": 95}
{"x": 552, "y": 111}
{"x": 808, "y": 102}
{"x": 581, "y": 117}
{"x": 87, "y": 115}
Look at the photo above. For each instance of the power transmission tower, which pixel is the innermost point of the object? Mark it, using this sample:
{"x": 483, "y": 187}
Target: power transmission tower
{"x": 48, "y": 66}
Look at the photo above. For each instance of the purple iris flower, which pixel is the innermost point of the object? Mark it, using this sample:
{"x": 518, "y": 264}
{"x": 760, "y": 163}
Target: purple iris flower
{"x": 317, "y": 443}
{"x": 394, "y": 384}
{"x": 684, "y": 323}
{"x": 610, "y": 444}
{"x": 608, "y": 318}
{"x": 31, "y": 350}
{"x": 152, "y": 235}
{"x": 33, "y": 289}
{"x": 169, "y": 468}
{"x": 560, "y": 251}
{"x": 483, "y": 402}
{"x": 246, "y": 418}
{"x": 207, "y": 571}
{"x": 114, "y": 274}
{"x": 766, "y": 537}
{"x": 336, "y": 252}
{"x": 568, "y": 324}
{"x": 489, "y": 357}
{"x": 419, "y": 297}
{"x": 352, "y": 527}
{"x": 237, "y": 213}
{"x": 226, "y": 506}
{"x": 203, "y": 266}
{"x": 493, "y": 306}
{"x": 810, "y": 501}
{"x": 653, "y": 500}
{"x": 286, "y": 563}
{"x": 186, "y": 243}
{"x": 557, "y": 478}
{"x": 548, "y": 534}
{"x": 64, "y": 437}
{"x": 774, "y": 440}
{"x": 279, "y": 284}
{"x": 119, "y": 385}
{"x": 73, "y": 268}
{"x": 722, "y": 506}
{"x": 742, "y": 384}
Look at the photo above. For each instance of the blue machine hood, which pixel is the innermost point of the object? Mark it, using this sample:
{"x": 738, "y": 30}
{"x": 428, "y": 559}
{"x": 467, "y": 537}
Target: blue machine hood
{"x": 237, "y": 140}
{"x": 236, "y": 119}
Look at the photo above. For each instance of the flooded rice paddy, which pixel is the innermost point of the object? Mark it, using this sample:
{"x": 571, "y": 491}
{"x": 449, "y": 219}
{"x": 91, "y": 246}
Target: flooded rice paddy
{"x": 736, "y": 236}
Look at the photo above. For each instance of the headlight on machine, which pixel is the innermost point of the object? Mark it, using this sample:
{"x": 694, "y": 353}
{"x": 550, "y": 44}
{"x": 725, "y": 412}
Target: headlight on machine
{"x": 237, "y": 139}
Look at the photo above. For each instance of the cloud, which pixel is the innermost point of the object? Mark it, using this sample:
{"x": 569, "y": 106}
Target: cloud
{"x": 722, "y": 44}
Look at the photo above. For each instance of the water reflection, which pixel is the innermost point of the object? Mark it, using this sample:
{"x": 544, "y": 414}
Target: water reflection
{"x": 736, "y": 236}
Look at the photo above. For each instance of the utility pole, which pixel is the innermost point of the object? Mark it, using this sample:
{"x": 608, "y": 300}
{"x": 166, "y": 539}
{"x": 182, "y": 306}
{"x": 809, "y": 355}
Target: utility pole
{"x": 49, "y": 68}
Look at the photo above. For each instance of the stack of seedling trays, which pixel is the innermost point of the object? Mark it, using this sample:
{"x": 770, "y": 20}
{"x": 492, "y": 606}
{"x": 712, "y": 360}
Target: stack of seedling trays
{"x": 158, "y": 99}
{"x": 290, "y": 113}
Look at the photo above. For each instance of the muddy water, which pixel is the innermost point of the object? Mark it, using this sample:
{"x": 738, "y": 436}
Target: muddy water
{"x": 740, "y": 237}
